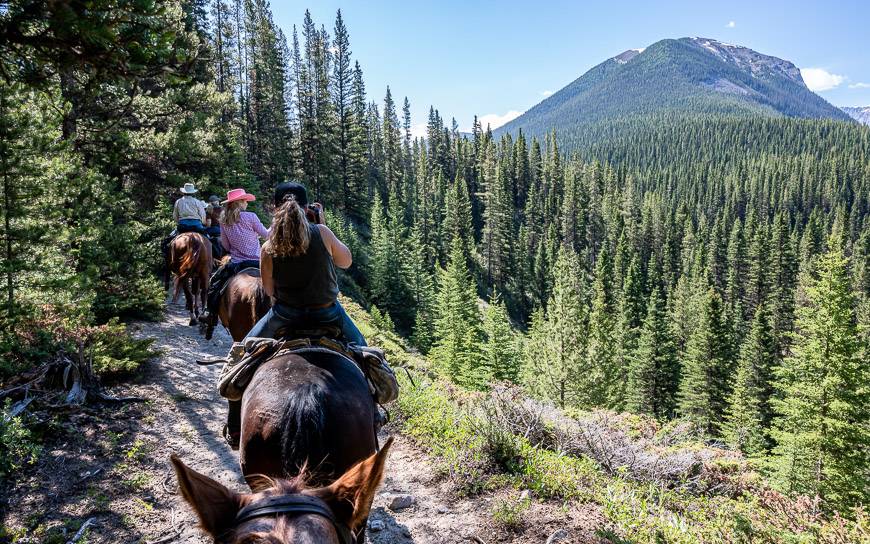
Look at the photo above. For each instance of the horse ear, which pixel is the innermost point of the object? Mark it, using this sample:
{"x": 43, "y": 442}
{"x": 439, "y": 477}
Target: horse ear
{"x": 215, "y": 505}
{"x": 351, "y": 496}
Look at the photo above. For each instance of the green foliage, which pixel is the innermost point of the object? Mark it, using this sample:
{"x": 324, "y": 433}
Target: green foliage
{"x": 749, "y": 408}
{"x": 510, "y": 512}
{"x": 501, "y": 351}
{"x": 556, "y": 346}
{"x": 18, "y": 446}
{"x": 823, "y": 394}
{"x": 457, "y": 324}
{"x": 705, "y": 383}
{"x": 117, "y": 354}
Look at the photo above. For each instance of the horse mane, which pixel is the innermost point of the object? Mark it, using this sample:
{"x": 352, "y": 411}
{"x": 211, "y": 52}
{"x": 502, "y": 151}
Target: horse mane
{"x": 303, "y": 422}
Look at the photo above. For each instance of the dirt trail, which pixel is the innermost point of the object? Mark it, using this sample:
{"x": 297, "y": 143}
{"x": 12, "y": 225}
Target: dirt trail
{"x": 110, "y": 465}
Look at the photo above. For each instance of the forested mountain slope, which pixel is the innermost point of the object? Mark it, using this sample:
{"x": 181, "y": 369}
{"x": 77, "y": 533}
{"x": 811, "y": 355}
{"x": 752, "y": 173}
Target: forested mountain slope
{"x": 689, "y": 75}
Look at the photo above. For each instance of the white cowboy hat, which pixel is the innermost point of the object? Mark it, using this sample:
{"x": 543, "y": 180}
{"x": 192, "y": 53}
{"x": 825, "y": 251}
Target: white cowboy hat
{"x": 188, "y": 189}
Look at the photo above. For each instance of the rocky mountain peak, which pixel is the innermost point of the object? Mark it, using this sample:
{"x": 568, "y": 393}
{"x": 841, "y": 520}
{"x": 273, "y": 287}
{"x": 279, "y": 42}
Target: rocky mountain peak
{"x": 757, "y": 64}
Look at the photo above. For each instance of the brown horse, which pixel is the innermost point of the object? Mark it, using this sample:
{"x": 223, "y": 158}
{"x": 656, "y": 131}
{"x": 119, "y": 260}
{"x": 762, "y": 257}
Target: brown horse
{"x": 190, "y": 260}
{"x": 303, "y": 413}
{"x": 243, "y": 303}
{"x": 285, "y": 510}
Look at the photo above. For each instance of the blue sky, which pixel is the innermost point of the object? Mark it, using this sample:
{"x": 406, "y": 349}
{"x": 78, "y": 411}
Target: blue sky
{"x": 498, "y": 58}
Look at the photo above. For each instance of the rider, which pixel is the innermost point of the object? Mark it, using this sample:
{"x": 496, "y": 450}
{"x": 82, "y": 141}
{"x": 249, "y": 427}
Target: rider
{"x": 240, "y": 232}
{"x": 189, "y": 215}
{"x": 298, "y": 269}
{"x": 213, "y": 216}
{"x": 189, "y": 211}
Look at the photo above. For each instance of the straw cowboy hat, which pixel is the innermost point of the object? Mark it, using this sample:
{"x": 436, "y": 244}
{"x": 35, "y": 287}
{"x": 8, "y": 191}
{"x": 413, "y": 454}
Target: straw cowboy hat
{"x": 238, "y": 194}
{"x": 188, "y": 189}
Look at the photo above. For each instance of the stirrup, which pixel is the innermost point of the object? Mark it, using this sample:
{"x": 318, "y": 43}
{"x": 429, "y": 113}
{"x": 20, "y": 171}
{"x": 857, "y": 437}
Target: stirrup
{"x": 232, "y": 441}
{"x": 206, "y": 362}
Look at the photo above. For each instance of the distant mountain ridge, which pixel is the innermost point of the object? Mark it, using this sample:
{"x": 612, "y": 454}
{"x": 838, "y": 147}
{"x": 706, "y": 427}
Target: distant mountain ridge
{"x": 860, "y": 113}
{"x": 686, "y": 75}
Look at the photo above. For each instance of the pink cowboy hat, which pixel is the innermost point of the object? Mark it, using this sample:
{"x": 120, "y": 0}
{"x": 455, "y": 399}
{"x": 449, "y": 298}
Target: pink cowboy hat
{"x": 238, "y": 194}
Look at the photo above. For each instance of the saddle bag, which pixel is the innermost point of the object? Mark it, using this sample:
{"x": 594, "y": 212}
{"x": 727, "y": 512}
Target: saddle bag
{"x": 382, "y": 380}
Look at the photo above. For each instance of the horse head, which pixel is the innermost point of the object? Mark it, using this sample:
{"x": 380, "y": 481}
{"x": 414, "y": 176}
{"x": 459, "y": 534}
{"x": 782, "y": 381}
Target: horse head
{"x": 285, "y": 510}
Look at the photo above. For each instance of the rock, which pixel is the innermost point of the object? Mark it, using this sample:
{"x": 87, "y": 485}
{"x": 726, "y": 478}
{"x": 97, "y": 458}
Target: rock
{"x": 558, "y": 536}
{"x": 399, "y": 501}
{"x": 376, "y": 525}
{"x": 525, "y": 495}
{"x": 442, "y": 509}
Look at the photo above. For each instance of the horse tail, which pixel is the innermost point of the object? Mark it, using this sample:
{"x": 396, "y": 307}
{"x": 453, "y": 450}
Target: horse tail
{"x": 303, "y": 422}
{"x": 191, "y": 257}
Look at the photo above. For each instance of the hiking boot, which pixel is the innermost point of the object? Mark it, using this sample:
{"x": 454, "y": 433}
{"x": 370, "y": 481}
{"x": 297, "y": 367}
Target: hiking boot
{"x": 233, "y": 439}
{"x": 381, "y": 418}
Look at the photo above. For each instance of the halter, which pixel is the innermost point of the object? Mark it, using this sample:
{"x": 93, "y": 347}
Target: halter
{"x": 295, "y": 504}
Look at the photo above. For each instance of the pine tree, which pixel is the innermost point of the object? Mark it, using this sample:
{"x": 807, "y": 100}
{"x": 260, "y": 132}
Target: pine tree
{"x": 457, "y": 323}
{"x": 556, "y": 350}
{"x": 343, "y": 93}
{"x": 632, "y": 308}
{"x": 654, "y": 371}
{"x": 500, "y": 352}
{"x": 749, "y": 412}
{"x": 822, "y": 402}
{"x": 603, "y": 341}
{"x": 704, "y": 388}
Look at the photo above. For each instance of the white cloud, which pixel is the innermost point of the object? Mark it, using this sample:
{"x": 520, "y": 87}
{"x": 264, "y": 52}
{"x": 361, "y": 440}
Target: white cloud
{"x": 860, "y": 85}
{"x": 546, "y": 93}
{"x": 419, "y": 130}
{"x": 731, "y": 24}
{"x": 495, "y": 120}
{"x": 819, "y": 79}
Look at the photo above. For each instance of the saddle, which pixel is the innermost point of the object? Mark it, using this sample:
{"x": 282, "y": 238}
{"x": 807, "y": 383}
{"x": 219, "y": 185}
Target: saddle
{"x": 245, "y": 358}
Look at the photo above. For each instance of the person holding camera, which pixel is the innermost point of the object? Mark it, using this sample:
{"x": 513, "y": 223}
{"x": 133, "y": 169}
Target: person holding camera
{"x": 298, "y": 269}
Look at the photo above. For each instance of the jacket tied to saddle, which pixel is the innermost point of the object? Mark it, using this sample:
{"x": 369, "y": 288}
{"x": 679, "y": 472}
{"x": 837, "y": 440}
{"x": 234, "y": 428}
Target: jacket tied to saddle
{"x": 244, "y": 359}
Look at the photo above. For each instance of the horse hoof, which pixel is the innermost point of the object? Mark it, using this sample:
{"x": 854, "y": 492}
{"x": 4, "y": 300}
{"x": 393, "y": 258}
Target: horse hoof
{"x": 192, "y": 322}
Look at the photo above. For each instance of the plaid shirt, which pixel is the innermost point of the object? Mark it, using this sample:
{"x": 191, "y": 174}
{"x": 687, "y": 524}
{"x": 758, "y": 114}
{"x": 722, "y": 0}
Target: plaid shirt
{"x": 241, "y": 240}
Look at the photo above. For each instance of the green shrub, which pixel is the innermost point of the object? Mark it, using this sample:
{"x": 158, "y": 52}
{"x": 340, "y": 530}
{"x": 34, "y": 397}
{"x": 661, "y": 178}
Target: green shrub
{"x": 510, "y": 511}
{"x": 116, "y": 353}
{"x": 18, "y": 447}
{"x": 140, "y": 297}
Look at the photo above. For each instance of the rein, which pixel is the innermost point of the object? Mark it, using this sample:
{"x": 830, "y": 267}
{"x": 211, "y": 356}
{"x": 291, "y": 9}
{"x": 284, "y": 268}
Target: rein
{"x": 295, "y": 504}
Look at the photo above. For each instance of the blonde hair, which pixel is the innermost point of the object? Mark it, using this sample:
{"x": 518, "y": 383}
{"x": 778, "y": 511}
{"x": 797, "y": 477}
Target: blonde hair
{"x": 231, "y": 213}
{"x": 289, "y": 236}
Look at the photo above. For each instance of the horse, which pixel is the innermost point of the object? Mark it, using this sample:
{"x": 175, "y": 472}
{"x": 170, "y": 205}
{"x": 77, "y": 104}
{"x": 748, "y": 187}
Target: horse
{"x": 242, "y": 304}
{"x": 281, "y": 510}
{"x": 304, "y": 413}
{"x": 190, "y": 260}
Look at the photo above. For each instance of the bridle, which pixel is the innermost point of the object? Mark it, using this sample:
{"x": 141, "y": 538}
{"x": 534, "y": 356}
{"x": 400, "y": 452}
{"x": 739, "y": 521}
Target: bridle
{"x": 297, "y": 505}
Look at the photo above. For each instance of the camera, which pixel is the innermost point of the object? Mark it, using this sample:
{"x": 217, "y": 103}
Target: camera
{"x": 313, "y": 212}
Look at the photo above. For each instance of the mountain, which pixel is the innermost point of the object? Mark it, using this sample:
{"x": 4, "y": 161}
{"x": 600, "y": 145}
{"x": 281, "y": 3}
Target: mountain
{"x": 687, "y": 75}
{"x": 860, "y": 114}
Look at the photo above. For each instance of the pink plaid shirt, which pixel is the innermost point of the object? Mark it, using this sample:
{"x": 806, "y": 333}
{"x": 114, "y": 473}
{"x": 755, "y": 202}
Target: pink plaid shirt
{"x": 241, "y": 240}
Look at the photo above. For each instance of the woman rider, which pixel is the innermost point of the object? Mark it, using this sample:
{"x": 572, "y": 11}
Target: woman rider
{"x": 297, "y": 266}
{"x": 240, "y": 233}
{"x": 298, "y": 269}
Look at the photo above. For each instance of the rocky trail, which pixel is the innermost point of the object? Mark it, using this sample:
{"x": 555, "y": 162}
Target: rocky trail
{"x": 108, "y": 467}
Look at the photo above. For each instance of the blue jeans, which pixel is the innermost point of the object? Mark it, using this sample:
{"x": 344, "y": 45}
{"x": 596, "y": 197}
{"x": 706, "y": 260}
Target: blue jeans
{"x": 280, "y": 316}
{"x": 191, "y": 225}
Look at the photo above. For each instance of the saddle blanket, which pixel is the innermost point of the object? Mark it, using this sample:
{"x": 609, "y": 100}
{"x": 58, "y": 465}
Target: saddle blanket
{"x": 244, "y": 359}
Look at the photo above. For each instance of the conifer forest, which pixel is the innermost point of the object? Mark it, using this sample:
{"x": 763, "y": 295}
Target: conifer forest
{"x": 707, "y": 269}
